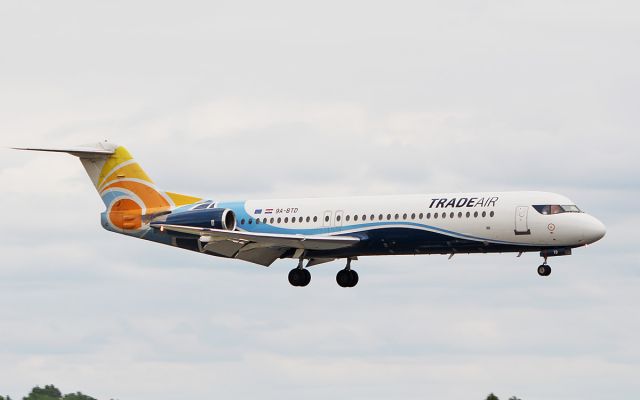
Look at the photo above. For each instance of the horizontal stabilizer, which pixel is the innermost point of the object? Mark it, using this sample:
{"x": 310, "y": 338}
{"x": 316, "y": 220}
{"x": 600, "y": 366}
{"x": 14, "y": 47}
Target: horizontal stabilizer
{"x": 81, "y": 151}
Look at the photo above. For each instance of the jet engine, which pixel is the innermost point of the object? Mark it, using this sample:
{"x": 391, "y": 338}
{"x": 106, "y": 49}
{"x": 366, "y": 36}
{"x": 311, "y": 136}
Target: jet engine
{"x": 216, "y": 218}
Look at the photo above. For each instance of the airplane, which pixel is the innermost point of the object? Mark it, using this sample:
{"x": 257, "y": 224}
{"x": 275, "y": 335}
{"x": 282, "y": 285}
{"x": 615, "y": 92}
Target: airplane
{"x": 320, "y": 230}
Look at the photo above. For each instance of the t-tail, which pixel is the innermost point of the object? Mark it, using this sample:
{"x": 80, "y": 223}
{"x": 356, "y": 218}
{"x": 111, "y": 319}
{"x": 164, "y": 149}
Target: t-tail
{"x": 131, "y": 198}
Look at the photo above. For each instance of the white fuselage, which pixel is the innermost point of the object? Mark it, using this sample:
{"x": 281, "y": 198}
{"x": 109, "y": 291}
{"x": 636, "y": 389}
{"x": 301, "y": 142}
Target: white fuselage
{"x": 498, "y": 221}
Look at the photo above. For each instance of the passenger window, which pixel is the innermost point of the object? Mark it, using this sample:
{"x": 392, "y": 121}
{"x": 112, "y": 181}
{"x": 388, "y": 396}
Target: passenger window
{"x": 347, "y": 218}
{"x": 413, "y": 216}
{"x": 460, "y": 214}
{"x": 286, "y": 219}
{"x": 475, "y": 214}
{"x": 491, "y": 214}
{"x": 404, "y": 216}
{"x": 468, "y": 214}
{"x": 355, "y": 217}
{"x": 388, "y": 217}
{"x": 421, "y": 215}
{"x": 271, "y": 220}
{"x": 250, "y": 221}
{"x": 396, "y": 216}
{"x": 435, "y": 215}
{"x": 484, "y": 214}
{"x": 315, "y": 219}
{"x": 338, "y": 217}
{"x": 242, "y": 221}
{"x": 326, "y": 219}
{"x": 279, "y": 219}
{"x": 429, "y": 216}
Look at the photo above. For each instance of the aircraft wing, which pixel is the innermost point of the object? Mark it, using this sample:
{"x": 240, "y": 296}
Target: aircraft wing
{"x": 259, "y": 248}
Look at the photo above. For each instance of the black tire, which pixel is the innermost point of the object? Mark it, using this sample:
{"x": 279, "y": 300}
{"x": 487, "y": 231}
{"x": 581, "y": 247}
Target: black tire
{"x": 295, "y": 277}
{"x": 544, "y": 270}
{"x": 353, "y": 277}
{"x": 306, "y": 277}
{"x": 343, "y": 278}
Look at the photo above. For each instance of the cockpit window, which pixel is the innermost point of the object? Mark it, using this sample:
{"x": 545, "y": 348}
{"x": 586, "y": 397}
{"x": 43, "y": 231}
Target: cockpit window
{"x": 547, "y": 209}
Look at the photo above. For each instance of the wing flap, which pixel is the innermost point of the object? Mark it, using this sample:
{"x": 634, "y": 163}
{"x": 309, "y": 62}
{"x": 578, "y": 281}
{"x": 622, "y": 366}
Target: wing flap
{"x": 226, "y": 248}
{"x": 264, "y": 256}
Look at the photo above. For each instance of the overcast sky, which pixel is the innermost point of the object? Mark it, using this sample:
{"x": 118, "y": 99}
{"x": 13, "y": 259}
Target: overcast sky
{"x": 235, "y": 100}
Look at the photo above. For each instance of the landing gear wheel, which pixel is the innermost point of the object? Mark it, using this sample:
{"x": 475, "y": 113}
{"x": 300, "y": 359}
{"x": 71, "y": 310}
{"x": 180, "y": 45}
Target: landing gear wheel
{"x": 354, "y": 278}
{"x": 299, "y": 277}
{"x": 347, "y": 278}
{"x": 307, "y": 277}
{"x": 544, "y": 270}
{"x": 343, "y": 278}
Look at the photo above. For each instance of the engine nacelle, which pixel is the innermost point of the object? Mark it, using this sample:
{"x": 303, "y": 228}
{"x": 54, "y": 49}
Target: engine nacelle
{"x": 216, "y": 218}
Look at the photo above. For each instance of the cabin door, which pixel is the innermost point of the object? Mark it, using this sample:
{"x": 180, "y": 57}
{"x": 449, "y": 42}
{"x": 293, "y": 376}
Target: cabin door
{"x": 522, "y": 225}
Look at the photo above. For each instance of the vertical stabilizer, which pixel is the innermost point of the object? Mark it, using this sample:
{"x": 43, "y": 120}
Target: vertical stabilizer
{"x": 125, "y": 188}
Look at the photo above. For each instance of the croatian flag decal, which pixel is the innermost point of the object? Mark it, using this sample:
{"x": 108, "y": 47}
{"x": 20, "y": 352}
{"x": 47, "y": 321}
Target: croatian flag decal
{"x": 268, "y": 211}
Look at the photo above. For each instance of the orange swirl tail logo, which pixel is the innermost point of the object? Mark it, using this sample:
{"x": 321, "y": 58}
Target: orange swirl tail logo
{"x": 128, "y": 192}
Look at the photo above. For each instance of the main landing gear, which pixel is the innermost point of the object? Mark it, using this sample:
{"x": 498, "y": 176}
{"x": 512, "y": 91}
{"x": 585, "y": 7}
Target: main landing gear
{"x": 299, "y": 276}
{"x": 544, "y": 269}
{"x": 347, "y": 277}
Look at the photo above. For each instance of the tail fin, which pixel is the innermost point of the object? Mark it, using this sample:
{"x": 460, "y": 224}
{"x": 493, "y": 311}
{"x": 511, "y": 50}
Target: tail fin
{"x": 126, "y": 190}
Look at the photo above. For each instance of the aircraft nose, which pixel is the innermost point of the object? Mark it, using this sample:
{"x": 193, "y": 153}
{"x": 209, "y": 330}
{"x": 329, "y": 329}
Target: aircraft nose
{"x": 594, "y": 231}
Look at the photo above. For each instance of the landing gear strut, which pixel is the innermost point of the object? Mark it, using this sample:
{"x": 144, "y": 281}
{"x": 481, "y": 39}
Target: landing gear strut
{"x": 544, "y": 269}
{"x": 347, "y": 277}
{"x": 299, "y": 276}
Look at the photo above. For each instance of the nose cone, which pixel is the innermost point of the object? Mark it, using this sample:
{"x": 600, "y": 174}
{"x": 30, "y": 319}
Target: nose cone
{"x": 594, "y": 230}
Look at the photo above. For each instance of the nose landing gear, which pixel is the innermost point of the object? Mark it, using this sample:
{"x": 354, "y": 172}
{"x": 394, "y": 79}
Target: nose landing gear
{"x": 347, "y": 277}
{"x": 544, "y": 269}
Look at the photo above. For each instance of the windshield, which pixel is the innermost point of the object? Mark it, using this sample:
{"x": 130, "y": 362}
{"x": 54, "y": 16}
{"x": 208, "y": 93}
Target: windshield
{"x": 547, "y": 209}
